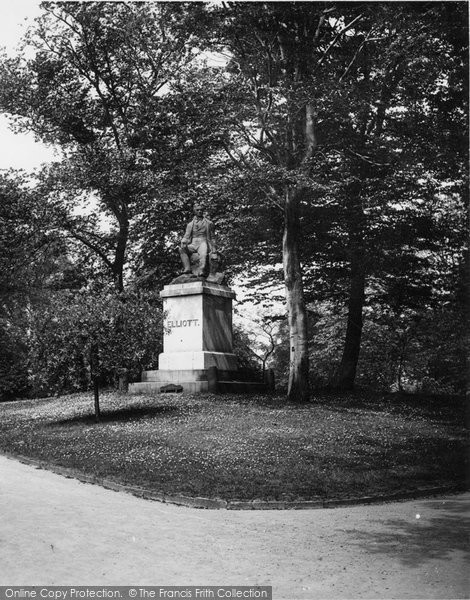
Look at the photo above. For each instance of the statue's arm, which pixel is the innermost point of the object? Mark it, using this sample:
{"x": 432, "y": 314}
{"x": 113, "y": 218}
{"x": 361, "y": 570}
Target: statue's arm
{"x": 187, "y": 234}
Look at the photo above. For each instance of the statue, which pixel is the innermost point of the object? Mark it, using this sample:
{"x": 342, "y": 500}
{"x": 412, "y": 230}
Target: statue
{"x": 198, "y": 250}
{"x": 198, "y": 239}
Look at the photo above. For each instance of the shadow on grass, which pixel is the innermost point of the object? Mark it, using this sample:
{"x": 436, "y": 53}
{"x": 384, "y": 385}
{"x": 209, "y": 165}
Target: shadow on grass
{"x": 445, "y": 408}
{"x": 417, "y": 541}
{"x": 122, "y": 414}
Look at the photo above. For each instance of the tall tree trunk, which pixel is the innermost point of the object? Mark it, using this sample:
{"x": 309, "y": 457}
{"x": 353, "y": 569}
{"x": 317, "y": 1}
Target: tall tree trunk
{"x": 346, "y": 373}
{"x": 118, "y": 268}
{"x": 299, "y": 387}
{"x": 121, "y": 246}
{"x": 96, "y": 395}
{"x": 95, "y": 367}
{"x": 466, "y": 284}
{"x": 352, "y": 344}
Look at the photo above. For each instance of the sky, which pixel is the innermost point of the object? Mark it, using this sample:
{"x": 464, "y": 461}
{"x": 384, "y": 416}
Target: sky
{"x": 18, "y": 151}
{"x": 21, "y": 150}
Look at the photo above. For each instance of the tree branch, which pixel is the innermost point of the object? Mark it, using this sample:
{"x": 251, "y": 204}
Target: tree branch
{"x": 93, "y": 247}
{"x": 336, "y": 38}
{"x": 348, "y": 68}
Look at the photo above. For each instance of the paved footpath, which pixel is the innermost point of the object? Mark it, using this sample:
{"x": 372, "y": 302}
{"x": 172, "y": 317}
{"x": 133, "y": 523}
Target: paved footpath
{"x": 58, "y": 531}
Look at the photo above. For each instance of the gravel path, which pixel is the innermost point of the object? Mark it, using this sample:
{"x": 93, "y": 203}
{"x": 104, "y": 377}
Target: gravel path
{"x": 58, "y": 531}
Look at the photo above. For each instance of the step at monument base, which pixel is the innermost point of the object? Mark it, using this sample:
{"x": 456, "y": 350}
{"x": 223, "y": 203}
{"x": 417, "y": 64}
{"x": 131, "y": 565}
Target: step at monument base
{"x": 154, "y": 387}
{"x": 194, "y": 381}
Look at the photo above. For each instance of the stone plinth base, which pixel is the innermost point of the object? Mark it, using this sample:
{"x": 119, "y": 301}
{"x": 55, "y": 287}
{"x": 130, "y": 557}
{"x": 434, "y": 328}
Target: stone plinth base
{"x": 155, "y": 387}
{"x": 197, "y": 336}
{"x": 191, "y": 380}
{"x": 195, "y": 381}
{"x": 198, "y": 325}
{"x": 197, "y": 343}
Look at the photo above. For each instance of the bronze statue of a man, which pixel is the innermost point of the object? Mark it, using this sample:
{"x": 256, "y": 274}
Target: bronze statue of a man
{"x": 198, "y": 238}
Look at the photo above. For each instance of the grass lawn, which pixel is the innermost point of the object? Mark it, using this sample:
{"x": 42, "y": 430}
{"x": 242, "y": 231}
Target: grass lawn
{"x": 247, "y": 447}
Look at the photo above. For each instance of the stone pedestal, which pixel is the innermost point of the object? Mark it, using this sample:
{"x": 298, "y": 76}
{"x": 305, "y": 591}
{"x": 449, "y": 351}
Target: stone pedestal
{"x": 197, "y": 336}
{"x": 198, "y": 327}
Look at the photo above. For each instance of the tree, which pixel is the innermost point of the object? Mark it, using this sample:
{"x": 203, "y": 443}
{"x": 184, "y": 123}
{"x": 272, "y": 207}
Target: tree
{"x": 255, "y": 342}
{"x": 323, "y": 109}
{"x": 324, "y": 119}
{"x": 99, "y": 87}
{"x": 74, "y": 338}
{"x": 269, "y": 127}
{"x": 31, "y": 256}
{"x": 402, "y": 73}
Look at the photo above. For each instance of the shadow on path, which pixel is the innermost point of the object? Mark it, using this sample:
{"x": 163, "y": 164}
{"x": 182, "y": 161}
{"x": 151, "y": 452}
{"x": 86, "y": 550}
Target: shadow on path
{"x": 415, "y": 542}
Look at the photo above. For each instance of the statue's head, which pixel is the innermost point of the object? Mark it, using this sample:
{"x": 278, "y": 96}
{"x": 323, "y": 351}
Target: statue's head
{"x": 198, "y": 210}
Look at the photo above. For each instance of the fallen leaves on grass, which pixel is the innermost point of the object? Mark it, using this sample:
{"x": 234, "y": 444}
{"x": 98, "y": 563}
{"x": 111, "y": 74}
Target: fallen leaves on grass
{"x": 243, "y": 447}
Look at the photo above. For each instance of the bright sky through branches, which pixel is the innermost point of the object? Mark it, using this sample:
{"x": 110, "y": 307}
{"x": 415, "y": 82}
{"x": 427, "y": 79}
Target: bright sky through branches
{"x": 22, "y": 151}
{"x": 18, "y": 151}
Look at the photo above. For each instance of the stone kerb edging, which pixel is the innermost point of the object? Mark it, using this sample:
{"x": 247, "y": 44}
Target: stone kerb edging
{"x": 219, "y": 503}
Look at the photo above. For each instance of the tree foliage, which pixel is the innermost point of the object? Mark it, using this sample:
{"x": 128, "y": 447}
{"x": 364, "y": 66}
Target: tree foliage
{"x": 123, "y": 330}
{"x": 99, "y": 86}
{"x": 32, "y": 256}
{"x": 329, "y": 144}
{"x": 349, "y": 105}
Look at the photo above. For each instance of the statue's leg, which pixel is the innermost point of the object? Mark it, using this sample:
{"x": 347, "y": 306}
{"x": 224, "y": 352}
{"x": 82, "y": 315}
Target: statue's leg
{"x": 193, "y": 258}
{"x": 185, "y": 259}
{"x": 203, "y": 252}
